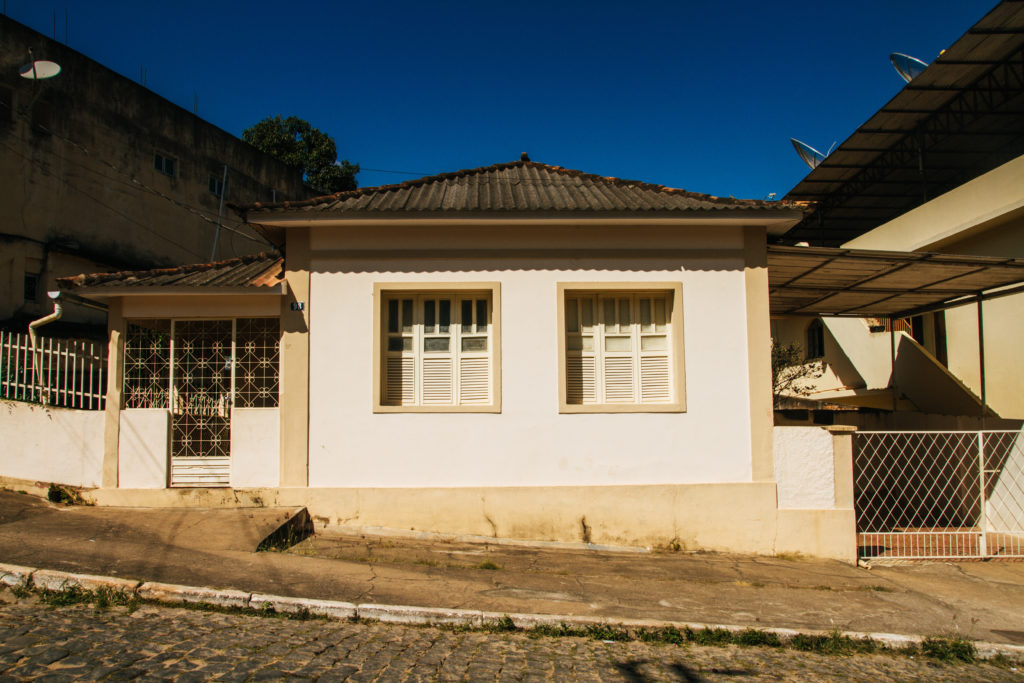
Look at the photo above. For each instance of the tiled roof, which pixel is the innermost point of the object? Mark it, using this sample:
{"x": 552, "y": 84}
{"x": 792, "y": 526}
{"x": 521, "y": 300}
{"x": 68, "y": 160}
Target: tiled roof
{"x": 258, "y": 270}
{"x": 521, "y": 186}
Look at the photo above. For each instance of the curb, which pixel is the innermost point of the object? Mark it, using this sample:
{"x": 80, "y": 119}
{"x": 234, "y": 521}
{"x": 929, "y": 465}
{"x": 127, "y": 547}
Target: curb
{"x": 173, "y": 594}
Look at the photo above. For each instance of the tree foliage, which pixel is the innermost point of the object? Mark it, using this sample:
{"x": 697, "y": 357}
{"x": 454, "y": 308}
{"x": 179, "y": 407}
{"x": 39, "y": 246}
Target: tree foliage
{"x": 297, "y": 143}
{"x": 790, "y": 372}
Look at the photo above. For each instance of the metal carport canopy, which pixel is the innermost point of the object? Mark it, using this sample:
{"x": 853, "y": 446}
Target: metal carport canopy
{"x": 865, "y": 283}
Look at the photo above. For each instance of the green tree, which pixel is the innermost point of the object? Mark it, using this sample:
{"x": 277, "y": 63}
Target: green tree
{"x": 296, "y": 143}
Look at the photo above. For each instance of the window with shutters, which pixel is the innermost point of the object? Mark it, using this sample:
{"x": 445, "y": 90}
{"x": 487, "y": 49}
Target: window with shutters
{"x": 621, "y": 350}
{"x": 437, "y": 350}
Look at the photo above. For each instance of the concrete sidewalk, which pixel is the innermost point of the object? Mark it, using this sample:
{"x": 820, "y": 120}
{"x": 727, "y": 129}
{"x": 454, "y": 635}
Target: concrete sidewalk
{"x": 217, "y": 548}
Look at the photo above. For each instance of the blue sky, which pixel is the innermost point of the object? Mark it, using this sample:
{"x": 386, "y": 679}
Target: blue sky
{"x": 698, "y": 95}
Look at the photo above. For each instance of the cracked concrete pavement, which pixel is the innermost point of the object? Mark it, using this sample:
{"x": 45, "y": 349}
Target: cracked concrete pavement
{"x": 978, "y": 600}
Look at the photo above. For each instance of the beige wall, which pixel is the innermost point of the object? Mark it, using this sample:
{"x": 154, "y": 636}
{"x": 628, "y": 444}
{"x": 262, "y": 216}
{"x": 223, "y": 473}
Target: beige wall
{"x": 737, "y": 517}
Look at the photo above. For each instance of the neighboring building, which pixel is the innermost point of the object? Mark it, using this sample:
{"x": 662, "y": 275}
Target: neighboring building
{"x": 100, "y": 173}
{"x": 939, "y": 168}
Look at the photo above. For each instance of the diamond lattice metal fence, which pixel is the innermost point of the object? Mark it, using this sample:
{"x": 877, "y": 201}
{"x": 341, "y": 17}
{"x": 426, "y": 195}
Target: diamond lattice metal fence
{"x": 931, "y": 494}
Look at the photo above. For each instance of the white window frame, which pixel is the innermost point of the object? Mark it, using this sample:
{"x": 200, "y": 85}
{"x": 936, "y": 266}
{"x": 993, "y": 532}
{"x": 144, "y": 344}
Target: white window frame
{"x": 414, "y": 353}
{"x": 671, "y": 293}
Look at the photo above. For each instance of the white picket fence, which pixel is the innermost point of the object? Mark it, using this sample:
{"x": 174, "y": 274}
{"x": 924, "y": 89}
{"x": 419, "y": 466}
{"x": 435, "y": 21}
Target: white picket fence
{"x": 71, "y": 373}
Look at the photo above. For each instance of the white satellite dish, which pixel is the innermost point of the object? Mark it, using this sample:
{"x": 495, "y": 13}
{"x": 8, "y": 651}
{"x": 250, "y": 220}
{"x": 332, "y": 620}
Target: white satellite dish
{"x": 808, "y": 154}
{"x": 39, "y": 69}
{"x": 907, "y": 66}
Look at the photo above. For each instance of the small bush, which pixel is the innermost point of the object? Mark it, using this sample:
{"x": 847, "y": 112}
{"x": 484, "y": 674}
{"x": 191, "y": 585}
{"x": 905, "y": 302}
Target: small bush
{"x": 709, "y": 636}
{"x": 754, "y": 637}
{"x": 487, "y": 564}
{"x": 832, "y": 644}
{"x": 949, "y": 649}
{"x": 64, "y": 495}
{"x": 503, "y": 625}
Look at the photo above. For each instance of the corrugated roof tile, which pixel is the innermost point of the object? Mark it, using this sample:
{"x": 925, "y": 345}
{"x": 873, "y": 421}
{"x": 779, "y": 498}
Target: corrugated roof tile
{"x": 518, "y": 186}
{"x": 257, "y": 270}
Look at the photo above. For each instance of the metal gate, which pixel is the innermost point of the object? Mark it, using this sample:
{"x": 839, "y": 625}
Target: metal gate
{"x": 202, "y": 381}
{"x": 939, "y": 495}
{"x": 201, "y": 371}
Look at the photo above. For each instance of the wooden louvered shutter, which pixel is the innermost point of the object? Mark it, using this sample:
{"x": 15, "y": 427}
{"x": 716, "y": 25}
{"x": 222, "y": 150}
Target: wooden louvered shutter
{"x": 655, "y": 362}
{"x": 474, "y": 349}
{"x": 400, "y": 360}
{"x": 581, "y": 385}
{"x": 474, "y": 381}
{"x": 618, "y": 379}
{"x": 655, "y": 386}
{"x": 618, "y": 348}
{"x": 400, "y": 381}
{"x": 437, "y": 381}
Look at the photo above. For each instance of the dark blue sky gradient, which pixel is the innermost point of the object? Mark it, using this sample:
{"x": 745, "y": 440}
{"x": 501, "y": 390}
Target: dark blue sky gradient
{"x": 698, "y": 95}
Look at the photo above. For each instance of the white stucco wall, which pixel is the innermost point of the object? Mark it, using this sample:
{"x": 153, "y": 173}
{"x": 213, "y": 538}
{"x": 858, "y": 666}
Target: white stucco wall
{"x": 804, "y": 468}
{"x": 529, "y": 443}
{"x": 1006, "y": 496}
{"x": 143, "y": 440}
{"x": 255, "y": 447}
{"x": 55, "y": 445}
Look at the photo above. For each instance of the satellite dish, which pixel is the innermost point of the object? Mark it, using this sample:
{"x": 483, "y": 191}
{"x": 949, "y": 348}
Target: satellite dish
{"x": 39, "y": 69}
{"x": 808, "y": 154}
{"x": 907, "y": 66}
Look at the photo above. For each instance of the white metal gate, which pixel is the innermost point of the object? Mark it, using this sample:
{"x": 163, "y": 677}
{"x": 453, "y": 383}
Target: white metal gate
{"x": 201, "y": 370}
{"x": 202, "y": 381}
{"x": 939, "y": 494}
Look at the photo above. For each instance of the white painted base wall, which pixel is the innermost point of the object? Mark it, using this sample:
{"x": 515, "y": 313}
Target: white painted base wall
{"x": 142, "y": 448}
{"x": 804, "y": 468}
{"x": 55, "y": 445}
{"x": 255, "y": 447}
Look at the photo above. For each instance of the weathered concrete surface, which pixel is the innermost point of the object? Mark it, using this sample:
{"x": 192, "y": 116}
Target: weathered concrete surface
{"x": 982, "y": 601}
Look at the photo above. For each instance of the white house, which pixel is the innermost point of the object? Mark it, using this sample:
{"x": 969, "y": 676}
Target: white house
{"x": 519, "y": 350}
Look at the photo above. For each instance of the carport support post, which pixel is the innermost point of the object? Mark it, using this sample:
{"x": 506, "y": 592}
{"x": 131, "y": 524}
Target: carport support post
{"x": 981, "y": 359}
{"x": 982, "y": 506}
{"x": 892, "y": 365}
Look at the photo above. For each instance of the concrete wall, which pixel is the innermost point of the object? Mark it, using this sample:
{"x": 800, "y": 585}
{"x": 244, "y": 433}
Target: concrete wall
{"x": 79, "y": 178}
{"x": 529, "y": 443}
{"x": 55, "y": 445}
{"x": 143, "y": 442}
{"x": 804, "y": 469}
{"x": 255, "y": 447}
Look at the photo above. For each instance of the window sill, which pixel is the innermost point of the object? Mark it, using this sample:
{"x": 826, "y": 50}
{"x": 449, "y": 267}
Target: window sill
{"x": 437, "y": 409}
{"x": 566, "y": 408}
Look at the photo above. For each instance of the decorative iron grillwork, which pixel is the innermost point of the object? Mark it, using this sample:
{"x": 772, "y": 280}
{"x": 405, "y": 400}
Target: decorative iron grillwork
{"x": 201, "y": 396}
{"x": 147, "y": 363}
{"x": 257, "y": 362}
{"x": 921, "y": 495}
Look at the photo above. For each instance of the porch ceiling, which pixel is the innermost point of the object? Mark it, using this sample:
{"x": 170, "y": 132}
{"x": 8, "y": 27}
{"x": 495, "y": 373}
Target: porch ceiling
{"x": 880, "y": 284}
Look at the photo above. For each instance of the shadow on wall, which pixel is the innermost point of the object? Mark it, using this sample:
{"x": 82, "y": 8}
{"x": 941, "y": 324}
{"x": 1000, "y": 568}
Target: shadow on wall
{"x": 929, "y": 385}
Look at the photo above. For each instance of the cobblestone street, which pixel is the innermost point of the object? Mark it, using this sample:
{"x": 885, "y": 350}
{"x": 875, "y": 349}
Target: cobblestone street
{"x": 80, "y": 642}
